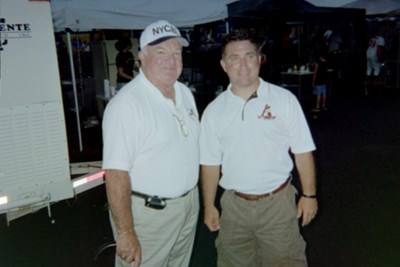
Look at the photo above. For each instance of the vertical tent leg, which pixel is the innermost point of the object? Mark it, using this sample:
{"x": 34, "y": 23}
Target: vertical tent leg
{"x": 71, "y": 61}
{"x": 52, "y": 221}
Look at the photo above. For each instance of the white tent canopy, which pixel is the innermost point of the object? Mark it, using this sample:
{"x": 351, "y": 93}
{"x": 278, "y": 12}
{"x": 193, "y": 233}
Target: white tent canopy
{"x": 329, "y": 3}
{"x": 85, "y": 15}
{"x": 374, "y": 7}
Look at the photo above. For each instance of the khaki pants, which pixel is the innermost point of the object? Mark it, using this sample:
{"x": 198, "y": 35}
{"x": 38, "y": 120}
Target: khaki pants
{"x": 260, "y": 233}
{"x": 166, "y": 236}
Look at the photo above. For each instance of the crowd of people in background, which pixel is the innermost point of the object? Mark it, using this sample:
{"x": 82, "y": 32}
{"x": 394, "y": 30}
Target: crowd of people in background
{"x": 285, "y": 46}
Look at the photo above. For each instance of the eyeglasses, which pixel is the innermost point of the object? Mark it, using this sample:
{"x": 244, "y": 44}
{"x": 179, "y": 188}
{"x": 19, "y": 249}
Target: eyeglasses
{"x": 179, "y": 118}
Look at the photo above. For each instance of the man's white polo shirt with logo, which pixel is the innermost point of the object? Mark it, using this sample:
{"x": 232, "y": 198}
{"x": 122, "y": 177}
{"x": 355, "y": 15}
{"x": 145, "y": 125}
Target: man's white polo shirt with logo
{"x": 152, "y": 138}
{"x": 251, "y": 139}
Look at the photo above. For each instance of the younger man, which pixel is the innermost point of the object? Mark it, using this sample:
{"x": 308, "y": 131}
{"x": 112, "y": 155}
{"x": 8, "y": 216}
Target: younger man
{"x": 246, "y": 134}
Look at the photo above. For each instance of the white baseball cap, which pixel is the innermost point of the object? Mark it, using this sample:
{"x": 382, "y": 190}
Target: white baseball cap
{"x": 159, "y": 32}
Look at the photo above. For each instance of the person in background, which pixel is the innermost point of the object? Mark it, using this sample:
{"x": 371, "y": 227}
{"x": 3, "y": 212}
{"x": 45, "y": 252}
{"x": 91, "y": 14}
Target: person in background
{"x": 320, "y": 81}
{"x": 374, "y": 58}
{"x": 246, "y": 134}
{"x": 124, "y": 61}
{"x": 334, "y": 45}
{"x": 151, "y": 157}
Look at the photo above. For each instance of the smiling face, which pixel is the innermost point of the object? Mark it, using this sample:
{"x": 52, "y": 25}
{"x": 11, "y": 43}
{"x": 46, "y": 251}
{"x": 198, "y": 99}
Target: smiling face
{"x": 162, "y": 63}
{"x": 241, "y": 61}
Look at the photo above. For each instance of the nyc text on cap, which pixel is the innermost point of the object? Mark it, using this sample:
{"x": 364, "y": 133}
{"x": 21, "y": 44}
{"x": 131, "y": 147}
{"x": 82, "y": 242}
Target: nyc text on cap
{"x": 159, "y": 32}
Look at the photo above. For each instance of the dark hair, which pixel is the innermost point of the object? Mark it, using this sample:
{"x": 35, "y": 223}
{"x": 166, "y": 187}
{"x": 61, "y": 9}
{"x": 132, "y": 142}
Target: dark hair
{"x": 239, "y": 37}
{"x": 122, "y": 43}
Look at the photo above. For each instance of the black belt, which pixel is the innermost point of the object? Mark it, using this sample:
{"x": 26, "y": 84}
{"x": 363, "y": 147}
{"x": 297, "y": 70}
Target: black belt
{"x": 145, "y": 196}
{"x": 156, "y": 202}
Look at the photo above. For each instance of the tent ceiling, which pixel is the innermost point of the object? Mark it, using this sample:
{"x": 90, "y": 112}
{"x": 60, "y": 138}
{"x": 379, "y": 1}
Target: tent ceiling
{"x": 85, "y": 15}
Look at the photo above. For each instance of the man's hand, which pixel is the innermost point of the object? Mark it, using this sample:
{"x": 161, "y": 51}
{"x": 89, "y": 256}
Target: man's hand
{"x": 211, "y": 218}
{"x": 307, "y": 208}
{"x": 128, "y": 248}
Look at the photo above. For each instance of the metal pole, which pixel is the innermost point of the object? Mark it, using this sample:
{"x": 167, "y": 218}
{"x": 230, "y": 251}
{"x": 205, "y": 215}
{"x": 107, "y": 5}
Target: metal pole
{"x": 398, "y": 66}
{"x": 71, "y": 61}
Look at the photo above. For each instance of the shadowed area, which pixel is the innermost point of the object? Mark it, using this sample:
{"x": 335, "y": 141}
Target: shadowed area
{"x": 358, "y": 177}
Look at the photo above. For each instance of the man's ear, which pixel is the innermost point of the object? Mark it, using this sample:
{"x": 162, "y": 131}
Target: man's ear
{"x": 223, "y": 65}
{"x": 141, "y": 56}
{"x": 262, "y": 58}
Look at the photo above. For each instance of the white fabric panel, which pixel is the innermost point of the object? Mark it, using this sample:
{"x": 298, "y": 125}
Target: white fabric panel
{"x": 84, "y": 15}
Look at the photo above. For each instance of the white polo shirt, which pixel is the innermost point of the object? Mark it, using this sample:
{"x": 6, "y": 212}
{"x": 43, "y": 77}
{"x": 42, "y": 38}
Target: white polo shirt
{"x": 142, "y": 135}
{"x": 251, "y": 139}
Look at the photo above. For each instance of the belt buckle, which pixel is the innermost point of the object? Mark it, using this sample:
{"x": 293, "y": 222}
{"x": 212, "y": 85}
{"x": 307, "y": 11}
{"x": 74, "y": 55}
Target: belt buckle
{"x": 258, "y": 197}
{"x": 155, "y": 202}
{"x": 252, "y": 197}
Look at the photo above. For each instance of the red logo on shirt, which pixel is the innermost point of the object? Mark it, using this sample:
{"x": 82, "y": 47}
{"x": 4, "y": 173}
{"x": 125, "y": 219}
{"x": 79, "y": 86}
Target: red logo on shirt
{"x": 266, "y": 115}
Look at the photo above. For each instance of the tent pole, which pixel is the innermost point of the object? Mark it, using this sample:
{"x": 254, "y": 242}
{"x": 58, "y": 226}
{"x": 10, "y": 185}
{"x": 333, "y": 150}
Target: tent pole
{"x": 71, "y": 62}
{"x": 299, "y": 33}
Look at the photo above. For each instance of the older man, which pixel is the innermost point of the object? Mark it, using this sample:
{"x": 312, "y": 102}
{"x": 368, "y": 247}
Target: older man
{"x": 151, "y": 157}
{"x": 247, "y": 133}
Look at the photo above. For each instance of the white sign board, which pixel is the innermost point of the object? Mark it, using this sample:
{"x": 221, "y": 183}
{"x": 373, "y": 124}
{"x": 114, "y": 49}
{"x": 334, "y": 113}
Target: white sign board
{"x": 34, "y": 164}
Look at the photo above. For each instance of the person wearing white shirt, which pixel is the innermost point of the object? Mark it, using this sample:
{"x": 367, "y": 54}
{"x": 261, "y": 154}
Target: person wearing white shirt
{"x": 151, "y": 157}
{"x": 246, "y": 135}
{"x": 374, "y": 58}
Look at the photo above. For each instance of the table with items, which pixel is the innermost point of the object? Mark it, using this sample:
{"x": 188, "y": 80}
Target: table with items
{"x": 296, "y": 79}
